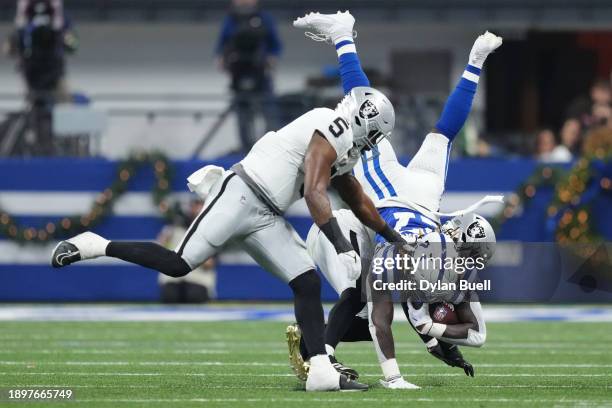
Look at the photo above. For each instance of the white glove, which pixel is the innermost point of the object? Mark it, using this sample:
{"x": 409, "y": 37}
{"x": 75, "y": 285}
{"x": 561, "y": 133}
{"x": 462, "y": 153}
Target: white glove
{"x": 398, "y": 383}
{"x": 419, "y": 317}
{"x": 351, "y": 263}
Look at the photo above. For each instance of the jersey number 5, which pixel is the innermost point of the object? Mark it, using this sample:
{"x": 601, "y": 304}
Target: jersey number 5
{"x": 338, "y": 127}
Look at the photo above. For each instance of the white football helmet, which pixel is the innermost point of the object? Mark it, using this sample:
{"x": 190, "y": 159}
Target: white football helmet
{"x": 370, "y": 115}
{"x": 473, "y": 235}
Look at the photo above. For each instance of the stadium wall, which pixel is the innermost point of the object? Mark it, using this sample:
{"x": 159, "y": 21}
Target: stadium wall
{"x": 166, "y": 58}
{"x": 39, "y": 190}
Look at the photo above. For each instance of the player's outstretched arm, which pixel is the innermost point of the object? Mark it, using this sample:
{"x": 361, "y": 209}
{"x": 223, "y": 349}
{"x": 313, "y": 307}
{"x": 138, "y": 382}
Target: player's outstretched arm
{"x": 318, "y": 162}
{"x": 459, "y": 103}
{"x": 362, "y": 206}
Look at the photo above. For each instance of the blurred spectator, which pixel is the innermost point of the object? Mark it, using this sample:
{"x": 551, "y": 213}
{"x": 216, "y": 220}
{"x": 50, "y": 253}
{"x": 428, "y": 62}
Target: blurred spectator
{"x": 600, "y": 114}
{"x": 547, "y": 149}
{"x": 248, "y": 49}
{"x": 199, "y": 285}
{"x": 593, "y": 110}
{"x": 483, "y": 148}
{"x": 570, "y": 142}
{"x": 545, "y": 144}
{"x": 42, "y": 36}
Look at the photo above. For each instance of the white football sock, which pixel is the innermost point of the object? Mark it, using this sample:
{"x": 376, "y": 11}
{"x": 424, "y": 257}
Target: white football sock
{"x": 390, "y": 369}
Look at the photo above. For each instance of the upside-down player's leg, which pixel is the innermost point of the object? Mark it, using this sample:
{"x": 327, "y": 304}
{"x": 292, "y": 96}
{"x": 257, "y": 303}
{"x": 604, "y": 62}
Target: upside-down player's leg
{"x": 338, "y": 29}
{"x": 429, "y": 165}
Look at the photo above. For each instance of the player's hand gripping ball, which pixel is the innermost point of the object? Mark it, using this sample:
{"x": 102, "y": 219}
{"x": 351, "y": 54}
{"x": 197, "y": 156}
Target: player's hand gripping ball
{"x": 443, "y": 313}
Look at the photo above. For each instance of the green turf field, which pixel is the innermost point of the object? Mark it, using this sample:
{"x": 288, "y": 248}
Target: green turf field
{"x": 245, "y": 364}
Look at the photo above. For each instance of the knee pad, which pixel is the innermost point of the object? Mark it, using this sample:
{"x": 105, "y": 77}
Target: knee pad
{"x": 307, "y": 283}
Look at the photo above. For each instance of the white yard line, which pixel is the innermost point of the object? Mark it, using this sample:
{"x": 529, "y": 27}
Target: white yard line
{"x": 158, "y": 374}
{"x": 272, "y": 364}
{"x": 279, "y": 312}
{"x": 404, "y": 398}
{"x": 281, "y": 351}
{"x": 232, "y": 387}
{"x": 254, "y": 345}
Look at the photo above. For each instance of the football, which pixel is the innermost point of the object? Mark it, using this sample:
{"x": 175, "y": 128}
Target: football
{"x": 443, "y": 313}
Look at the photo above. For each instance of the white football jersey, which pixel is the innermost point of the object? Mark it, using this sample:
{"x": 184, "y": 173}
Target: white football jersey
{"x": 276, "y": 161}
{"x": 418, "y": 186}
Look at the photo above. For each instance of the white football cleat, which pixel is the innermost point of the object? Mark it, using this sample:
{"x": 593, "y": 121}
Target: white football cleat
{"x": 322, "y": 376}
{"x": 83, "y": 246}
{"x": 327, "y": 27}
{"x": 483, "y": 46}
{"x": 399, "y": 384}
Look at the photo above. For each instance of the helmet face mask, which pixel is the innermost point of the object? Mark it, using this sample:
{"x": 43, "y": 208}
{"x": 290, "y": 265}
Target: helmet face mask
{"x": 473, "y": 234}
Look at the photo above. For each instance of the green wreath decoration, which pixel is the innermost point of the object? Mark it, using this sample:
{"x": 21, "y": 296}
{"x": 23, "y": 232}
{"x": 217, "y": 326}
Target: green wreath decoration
{"x": 102, "y": 206}
{"x": 575, "y": 225}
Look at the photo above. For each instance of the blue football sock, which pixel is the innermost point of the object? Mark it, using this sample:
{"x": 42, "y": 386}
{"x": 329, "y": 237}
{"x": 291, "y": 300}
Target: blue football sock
{"x": 459, "y": 103}
{"x": 351, "y": 73}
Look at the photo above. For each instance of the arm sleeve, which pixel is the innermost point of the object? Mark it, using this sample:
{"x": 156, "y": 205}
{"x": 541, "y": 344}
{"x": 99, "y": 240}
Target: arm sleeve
{"x": 351, "y": 73}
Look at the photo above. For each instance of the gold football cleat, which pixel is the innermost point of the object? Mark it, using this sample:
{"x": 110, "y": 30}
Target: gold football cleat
{"x": 297, "y": 363}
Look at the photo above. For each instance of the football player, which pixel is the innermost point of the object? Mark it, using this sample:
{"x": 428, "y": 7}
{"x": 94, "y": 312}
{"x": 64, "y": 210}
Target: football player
{"x": 245, "y": 206}
{"x": 408, "y": 198}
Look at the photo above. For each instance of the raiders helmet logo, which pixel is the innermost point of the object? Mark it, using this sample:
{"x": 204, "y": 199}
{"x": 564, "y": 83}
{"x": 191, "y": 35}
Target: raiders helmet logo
{"x": 475, "y": 230}
{"x": 368, "y": 110}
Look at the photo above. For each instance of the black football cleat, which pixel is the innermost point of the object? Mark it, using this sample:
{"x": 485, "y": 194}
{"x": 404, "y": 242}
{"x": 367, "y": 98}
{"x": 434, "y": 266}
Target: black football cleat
{"x": 348, "y": 385}
{"x": 350, "y": 373}
{"x": 81, "y": 247}
{"x": 64, "y": 254}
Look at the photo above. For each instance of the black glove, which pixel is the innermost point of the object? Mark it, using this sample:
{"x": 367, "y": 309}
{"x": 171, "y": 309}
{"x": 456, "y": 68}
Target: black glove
{"x": 450, "y": 354}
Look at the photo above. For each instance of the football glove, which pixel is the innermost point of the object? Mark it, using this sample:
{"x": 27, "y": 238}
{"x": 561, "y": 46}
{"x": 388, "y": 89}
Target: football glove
{"x": 450, "y": 355}
{"x": 351, "y": 263}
